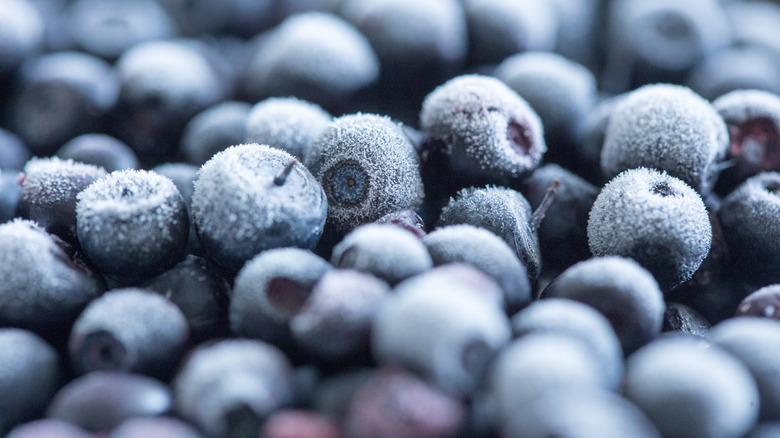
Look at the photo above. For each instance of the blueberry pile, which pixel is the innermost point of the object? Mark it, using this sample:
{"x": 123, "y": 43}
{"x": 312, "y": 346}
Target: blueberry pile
{"x": 390, "y": 218}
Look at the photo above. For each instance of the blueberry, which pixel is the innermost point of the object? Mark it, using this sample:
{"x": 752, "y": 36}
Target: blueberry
{"x": 621, "y": 290}
{"x": 227, "y": 389}
{"x": 333, "y": 394}
{"x": 500, "y": 28}
{"x": 250, "y": 198}
{"x": 49, "y": 187}
{"x": 13, "y": 153}
{"x": 100, "y": 150}
{"x": 736, "y": 68}
{"x": 680, "y": 318}
{"x": 271, "y": 289}
{"x": 655, "y": 219}
{"x": 144, "y": 427}
{"x": 129, "y": 330}
{"x": 446, "y": 331}
{"x": 9, "y": 194}
{"x": 43, "y": 288}
{"x": 335, "y": 321}
{"x": 751, "y": 24}
{"x": 132, "y": 224}
{"x": 459, "y": 275}
{"x": 582, "y": 322}
{"x": 299, "y": 424}
{"x": 102, "y": 400}
{"x": 395, "y": 403}
{"x": 764, "y": 302}
{"x": 768, "y": 429}
{"x": 314, "y": 56}
{"x": 367, "y": 167}
{"x": 510, "y": 218}
{"x": 286, "y": 123}
{"x": 285, "y": 8}
{"x": 750, "y": 340}
{"x": 241, "y": 17}
{"x": 669, "y": 128}
{"x": 749, "y": 216}
{"x": 590, "y": 139}
{"x": 23, "y": 34}
{"x": 62, "y": 95}
{"x": 31, "y": 375}
{"x": 579, "y": 37}
{"x": 485, "y": 251}
{"x": 689, "y": 389}
{"x": 214, "y": 130}
{"x": 406, "y": 219}
{"x": 183, "y": 176}
{"x": 47, "y": 427}
{"x": 384, "y": 250}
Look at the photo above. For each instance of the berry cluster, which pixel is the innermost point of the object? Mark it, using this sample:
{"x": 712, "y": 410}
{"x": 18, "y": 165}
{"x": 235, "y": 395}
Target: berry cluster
{"x": 389, "y": 218}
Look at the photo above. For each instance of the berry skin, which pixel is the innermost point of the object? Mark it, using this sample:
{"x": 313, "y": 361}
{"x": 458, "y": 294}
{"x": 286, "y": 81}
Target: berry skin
{"x": 47, "y": 427}
{"x": 737, "y": 67}
{"x": 145, "y": 427}
{"x": 215, "y": 129}
{"x": 13, "y": 153}
{"x": 100, "y": 150}
{"x": 132, "y": 224}
{"x": 406, "y": 219}
{"x": 251, "y": 198}
{"x": 668, "y": 128}
{"x": 680, "y": 318}
{"x": 23, "y": 34}
{"x": 367, "y": 167}
{"x": 291, "y": 423}
{"x": 764, "y": 302}
{"x": 655, "y": 219}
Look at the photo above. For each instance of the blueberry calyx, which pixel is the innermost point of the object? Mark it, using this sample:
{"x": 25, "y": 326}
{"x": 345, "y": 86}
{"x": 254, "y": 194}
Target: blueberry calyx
{"x": 756, "y": 141}
{"x": 346, "y": 183}
{"x": 280, "y": 179}
{"x": 519, "y": 137}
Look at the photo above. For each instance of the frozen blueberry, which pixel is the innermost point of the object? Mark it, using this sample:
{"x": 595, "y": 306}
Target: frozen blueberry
{"x": 749, "y": 216}
{"x": 102, "y": 400}
{"x": 689, "y": 389}
{"x": 459, "y": 275}
{"x": 753, "y": 120}
{"x": 132, "y": 224}
{"x": 736, "y": 68}
{"x": 146, "y": 427}
{"x": 291, "y": 423}
{"x": 479, "y": 131}
{"x": 655, "y": 219}
{"x": 751, "y": 340}
{"x": 9, "y": 194}
{"x": 47, "y": 427}
{"x": 100, "y": 150}
{"x": 23, "y": 34}
{"x": 62, "y": 95}
{"x": 367, "y": 167}
{"x": 500, "y": 28}
{"x": 250, "y": 198}
{"x": 582, "y": 322}
{"x": 183, "y": 176}
{"x": 315, "y": 56}
{"x": 13, "y": 153}
{"x": 43, "y": 288}
{"x": 510, "y": 218}
{"x": 485, "y": 251}
{"x": 214, "y": 130}
{"x": 767, "y": 429}
{"x": 563, "y": 234}
{"x": 286, "y": 123}
{"x": 285, "y": 8}
{"x": 48, "y": 193}
{"x": 335, "y": 321}
{"x": 669, "y": 128}
{"x": 157, "y": 98}
{"x": 680, "y": 318}
{"x": 129, "y": 330}
{"x": 396, "y": 403}
{"x": 764, "y": 302}
{"x": 448, "y": 333}
{"x": 31, "y": 375}
{"x": 561, "y": 92}
{"x": 621, "y": 290}
{"x": 198, "y": 289}
{"x": 271, "y": 289}
{"x": 227, "y": 389}
{"x": 590, "y": 140}
{"x": 406, "y": 219}
{"x": 384, "y": 250}
{"x": 752, "y": 24}
{"x": 579, "y": 31}
{"x": 239, "y": 17}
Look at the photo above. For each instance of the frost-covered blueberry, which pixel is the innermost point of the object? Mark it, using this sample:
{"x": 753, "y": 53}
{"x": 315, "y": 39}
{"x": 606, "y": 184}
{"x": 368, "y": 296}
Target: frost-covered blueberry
{"x": 13, "y": 153}
{"x": 48, "y": 427}
{"x": 669, "y": 128}
{"x": 48, "y": 193}
{"x": 43, "y": 288}
{"x": 448, "y": 333}
{"x": 286, "y": 123}
{"x": 315, "y": 56}
{"x": 100, "y": 150}
{"x": 23, "y": 34}
{"x": 299, "y": 423}
{"x": 214, "y": 130}
{"x": 130, "y": 330}
{"x": 227, "y": 389}
{"x": 479, "y": 131}
{"x": 582, "y": 322}
{"x": 680, "y": 318}
{"x": 270, "y": 289}
{"x": 654, "y": 218}
{"x": 31, "y": 375}
{"x": 384, "y": 250}
{"x": 406, "y": 219}
{"x": 621, "y": 290}
{"x": 62, "y": 95}
{"x": 736, "y": 68}
{"x": 251, "y": 198}
{"x": 146, "y": 427}
{"x": 590, "y": 140}
{"x": 689, "y": 389}
{"x": 183, "y": 176}
{"x": 485, "y": 251}
{"x": 459, "y": 275}
{"x": 764, "y": 302}
{"x": 750, "y": 217}
{"x": 510, "y": 218}
{"x": 335, "y": 321}
{"x": 102, "y": 400}
{"x": 367, "y": 167}
{"x": 132, "y": 224}
{"x": 500, "y": 28}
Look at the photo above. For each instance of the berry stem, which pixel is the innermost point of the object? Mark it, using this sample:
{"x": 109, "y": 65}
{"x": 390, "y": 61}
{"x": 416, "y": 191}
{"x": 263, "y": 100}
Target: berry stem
{"x": 549, "y": 196}
{"x": 280, "y": 179}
